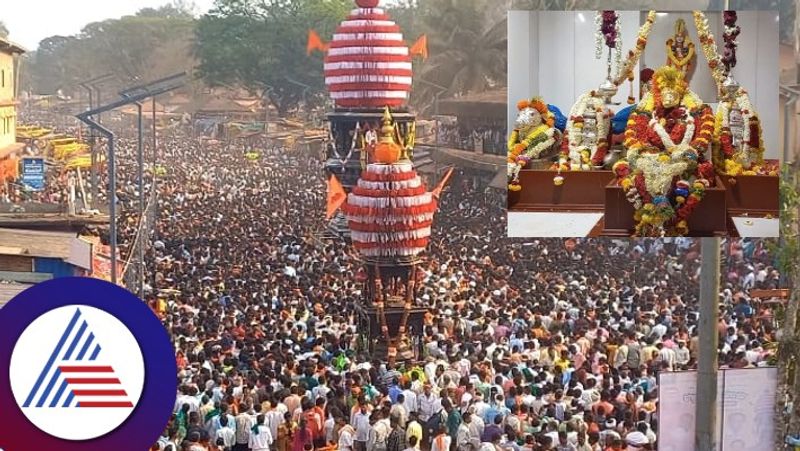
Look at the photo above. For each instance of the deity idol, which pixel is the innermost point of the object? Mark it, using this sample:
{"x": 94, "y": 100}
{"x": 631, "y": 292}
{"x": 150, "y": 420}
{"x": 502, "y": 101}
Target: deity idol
{"x": 666, "y": 173}
{"x": 587, "y": 134}
{"x": 534, "y": 134}
{"x": 680, "y": 50}
{"x": 738, "y": 141}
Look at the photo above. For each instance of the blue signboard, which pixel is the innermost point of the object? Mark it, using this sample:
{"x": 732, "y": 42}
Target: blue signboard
{"x": 33, "y": 173}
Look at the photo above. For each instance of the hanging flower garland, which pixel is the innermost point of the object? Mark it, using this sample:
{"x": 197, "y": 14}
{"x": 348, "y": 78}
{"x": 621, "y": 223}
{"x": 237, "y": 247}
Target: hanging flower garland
{"x": 709, "y": 48}
{"x": 608, "y": 32}
{"x": 523, "y": 149}
{"x": 634, "y": 54}
{"x": 729, "y": 37}
{"x": 575, "y": 154}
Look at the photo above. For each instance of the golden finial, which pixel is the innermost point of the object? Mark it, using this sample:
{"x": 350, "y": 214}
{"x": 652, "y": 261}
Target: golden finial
{"x": 387, "y": 151}
{"x": 387, "y": 130}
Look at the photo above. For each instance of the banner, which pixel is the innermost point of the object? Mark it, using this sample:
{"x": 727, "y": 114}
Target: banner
{"x": 33, "y": 173}
{"x": 745, "y": 408}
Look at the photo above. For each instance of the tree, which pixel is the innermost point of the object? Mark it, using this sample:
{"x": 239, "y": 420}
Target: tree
{"x": 468, "y": 50}
{"x": 3, "y": 30}
{"x": 788, "y": 254}
{"x": 261, "y": 46}
{"x": 151, "y": 44}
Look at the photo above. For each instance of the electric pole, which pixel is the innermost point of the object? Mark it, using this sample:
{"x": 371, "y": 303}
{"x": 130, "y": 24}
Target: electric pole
{"x": 706, "y": 408}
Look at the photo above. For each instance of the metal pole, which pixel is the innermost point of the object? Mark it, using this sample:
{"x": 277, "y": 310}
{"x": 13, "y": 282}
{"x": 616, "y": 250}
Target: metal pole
{"x": 93, "y": 147}
{"x": 140, "y": 181}
{"x": 155, "y": 154}
{"x": 706, "y": 407}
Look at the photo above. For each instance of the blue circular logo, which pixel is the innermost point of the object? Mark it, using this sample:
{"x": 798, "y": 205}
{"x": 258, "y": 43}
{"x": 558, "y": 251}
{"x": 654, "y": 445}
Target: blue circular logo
{"x": 90, "y": 367}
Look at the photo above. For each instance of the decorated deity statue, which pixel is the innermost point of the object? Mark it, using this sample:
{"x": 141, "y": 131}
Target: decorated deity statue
{"x": 533, "y": 136}
{"x": 587, "y": 134}
{"x": 738, "y": 142}
{"x": 680, "y": 50}
{"x": 665, "y": 173}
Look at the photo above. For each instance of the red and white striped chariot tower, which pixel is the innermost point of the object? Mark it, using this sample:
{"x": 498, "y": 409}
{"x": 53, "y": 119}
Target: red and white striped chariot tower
{"x": 388, "y": 212}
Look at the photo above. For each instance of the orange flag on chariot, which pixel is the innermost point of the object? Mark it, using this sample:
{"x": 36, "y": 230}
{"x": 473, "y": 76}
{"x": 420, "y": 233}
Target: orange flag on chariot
{"x": 440, "y": 187}
{"x": 315, "y": 43}
{"x": 336, "y": 196}
{"x": 420, "y": 47}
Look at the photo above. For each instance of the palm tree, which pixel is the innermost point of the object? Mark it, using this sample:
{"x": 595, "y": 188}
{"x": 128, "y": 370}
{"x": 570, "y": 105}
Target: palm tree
{"x": 468, "y": 52}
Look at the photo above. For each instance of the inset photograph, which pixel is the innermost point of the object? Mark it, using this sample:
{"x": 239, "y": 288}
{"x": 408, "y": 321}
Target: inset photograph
{"x": 643, "y": 123}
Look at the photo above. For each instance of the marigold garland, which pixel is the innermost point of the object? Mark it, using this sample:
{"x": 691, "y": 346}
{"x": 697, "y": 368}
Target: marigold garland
{"x": 636, "y": 53}
{"x": 662, "y": 145}
{"x": 709, "y": 47}
{"x": 522, "y": 150}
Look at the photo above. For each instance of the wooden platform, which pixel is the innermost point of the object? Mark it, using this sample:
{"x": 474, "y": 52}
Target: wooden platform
{"x": 581, "y": 191}
{"x": 596, "y": 191}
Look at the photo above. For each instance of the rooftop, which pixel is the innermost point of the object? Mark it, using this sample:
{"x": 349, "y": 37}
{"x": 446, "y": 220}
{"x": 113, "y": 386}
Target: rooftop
{"x": 35, "y": 243}
{"x": 10, "y": 47}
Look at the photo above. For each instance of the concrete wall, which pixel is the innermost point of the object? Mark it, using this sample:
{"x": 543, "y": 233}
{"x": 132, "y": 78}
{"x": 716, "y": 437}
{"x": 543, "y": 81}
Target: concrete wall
{"x": 7, "y": 110}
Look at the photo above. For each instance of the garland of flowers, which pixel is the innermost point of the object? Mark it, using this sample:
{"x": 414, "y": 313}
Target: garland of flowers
{"x": 729, "y": 37}
{"x": 646, "y": 179}
{"x": 575, "y": 155}
{"x": 636, "y": 53}
{"x": 750, "y": 159}
{"x": 608, "y": 31}
{"x": 709, "y": 48}
{"x": 536, "y": 141}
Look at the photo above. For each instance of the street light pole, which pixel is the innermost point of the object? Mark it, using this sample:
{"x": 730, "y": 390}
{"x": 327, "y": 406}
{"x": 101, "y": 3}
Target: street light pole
{"x": 707, "y": 396}
{"x": 140, "y": 182}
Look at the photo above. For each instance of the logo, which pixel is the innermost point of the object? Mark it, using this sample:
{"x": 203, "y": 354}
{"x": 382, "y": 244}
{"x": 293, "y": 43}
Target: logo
{"x": 89, "y": 377}
{"x": 90, "y": 367}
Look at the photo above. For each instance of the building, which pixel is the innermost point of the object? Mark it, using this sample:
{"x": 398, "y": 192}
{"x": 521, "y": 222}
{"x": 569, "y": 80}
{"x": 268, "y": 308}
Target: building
{"x": 9, "y": 53}
{"x": 30, "y": 256}
{"x": 471, "y": 134}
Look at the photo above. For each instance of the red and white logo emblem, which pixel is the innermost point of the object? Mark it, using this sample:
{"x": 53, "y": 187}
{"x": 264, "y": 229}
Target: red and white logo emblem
{"x": 77, "y": 372}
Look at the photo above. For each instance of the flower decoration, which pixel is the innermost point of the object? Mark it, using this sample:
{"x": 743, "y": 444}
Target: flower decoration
{"x": 632, "y": 59}
{"x": 729, "y": 38}
{"x": 608, "y": 33}
{"x": 746, "y": 153}
{"x": 534, "y": 134}
{"x": 665, "y": 173}
{"x": 709, "y": 46}
{"x": 576, "y": 152}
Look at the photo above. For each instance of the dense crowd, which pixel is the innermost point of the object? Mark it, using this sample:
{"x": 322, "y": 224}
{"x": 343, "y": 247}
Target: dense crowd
{"x": 484, "y": 139}
{"x": 527, "y": 345}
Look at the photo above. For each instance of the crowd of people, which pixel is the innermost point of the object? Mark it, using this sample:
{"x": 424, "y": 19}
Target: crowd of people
{"x": 527, "y": 344}
{"x": 483, "y": 139}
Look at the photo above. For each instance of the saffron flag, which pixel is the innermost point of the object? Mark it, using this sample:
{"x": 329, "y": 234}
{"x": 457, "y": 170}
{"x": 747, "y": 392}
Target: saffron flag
{"x": 440, "y": 187}
{"x": 315, "y": 43}
{"x": 336, "y": 196}
{"x": 420, "y": 47}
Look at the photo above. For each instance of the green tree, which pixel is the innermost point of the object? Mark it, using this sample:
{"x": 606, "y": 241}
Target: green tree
{"x": 3, "y": 30}
{"x": 468, "y": 48}
{"x": 148, "y": 45}
{"x": 262, "y": 46}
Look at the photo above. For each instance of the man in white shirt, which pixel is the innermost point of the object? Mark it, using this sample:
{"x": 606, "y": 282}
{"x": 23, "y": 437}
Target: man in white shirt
{"x": 682, "y": 354}
{"x": 428, "y": 404}
{"x": 225, "y": 434}
{"x": 410, "y": 396}
{"x": 260, "y": 437}
{"x": 346, "y": 440}
{"x": 399, "y": 411}
{"x": 362, "y": 427}
{"x": 244, "y": 423}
